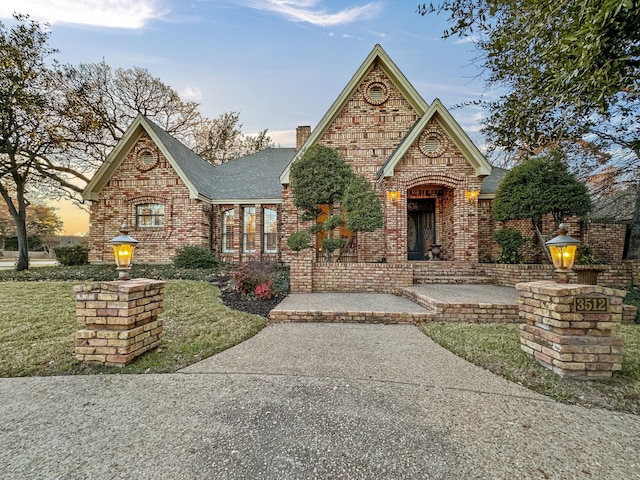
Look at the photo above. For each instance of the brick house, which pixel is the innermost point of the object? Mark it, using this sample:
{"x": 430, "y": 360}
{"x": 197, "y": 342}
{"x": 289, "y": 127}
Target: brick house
{"x": 435, "y": 185}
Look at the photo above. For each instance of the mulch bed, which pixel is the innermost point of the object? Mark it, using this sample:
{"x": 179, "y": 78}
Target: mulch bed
{"x": 254, "y": 305}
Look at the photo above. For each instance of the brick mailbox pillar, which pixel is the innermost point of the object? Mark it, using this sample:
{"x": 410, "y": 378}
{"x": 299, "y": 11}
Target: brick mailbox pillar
{"x": 120, "y": 320}
{"x": 568, "y": 327}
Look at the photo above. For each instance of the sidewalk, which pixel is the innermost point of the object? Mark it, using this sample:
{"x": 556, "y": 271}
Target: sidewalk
{"x": 309, "y": 401}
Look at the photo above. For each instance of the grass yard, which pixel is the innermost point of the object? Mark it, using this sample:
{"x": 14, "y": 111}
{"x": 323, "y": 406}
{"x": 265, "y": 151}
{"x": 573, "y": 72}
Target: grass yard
{"x": 496, "y": 347}
{"x": 37, "y": 327}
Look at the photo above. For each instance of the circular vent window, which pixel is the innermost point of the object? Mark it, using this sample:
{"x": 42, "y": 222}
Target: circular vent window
{"x": 431, "y": 144}
{"x": 376, "y": 93}
{"x": 146, "y": 160}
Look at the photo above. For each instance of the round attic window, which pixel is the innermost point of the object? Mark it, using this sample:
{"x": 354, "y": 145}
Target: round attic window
{"x": 431, "y": 144}
{"x": 146, "y": 160}
{"x": 376, "y": 93}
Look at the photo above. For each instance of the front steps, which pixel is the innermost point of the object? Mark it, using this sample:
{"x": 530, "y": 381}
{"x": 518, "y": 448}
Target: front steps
{"x": 442, "y": 272}
{"x": 465, "y": 303}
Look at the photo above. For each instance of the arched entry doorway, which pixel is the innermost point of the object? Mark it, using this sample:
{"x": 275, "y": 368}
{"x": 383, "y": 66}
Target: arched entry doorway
{"x": 421, "y": 227}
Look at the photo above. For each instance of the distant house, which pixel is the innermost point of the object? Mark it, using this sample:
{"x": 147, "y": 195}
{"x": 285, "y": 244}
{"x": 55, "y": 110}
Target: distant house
{"x": 436, "y": 187}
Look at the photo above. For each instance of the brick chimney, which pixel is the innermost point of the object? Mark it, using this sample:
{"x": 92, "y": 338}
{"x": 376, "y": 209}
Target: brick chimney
{"x": 302, "y": 133}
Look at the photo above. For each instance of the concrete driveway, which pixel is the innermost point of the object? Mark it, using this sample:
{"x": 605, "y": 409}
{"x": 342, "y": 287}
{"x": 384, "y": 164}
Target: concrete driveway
{"x": 304, "y": 401}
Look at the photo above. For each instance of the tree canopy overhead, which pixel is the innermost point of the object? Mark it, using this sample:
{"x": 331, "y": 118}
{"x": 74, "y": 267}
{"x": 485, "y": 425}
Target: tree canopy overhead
{"x": 565, "y": 74}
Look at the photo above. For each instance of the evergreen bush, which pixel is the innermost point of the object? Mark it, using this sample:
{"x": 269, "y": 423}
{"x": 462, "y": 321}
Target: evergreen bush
{"x": 194, "y": 256}
{"x": 510, "y": 242}
{"x": 73, "y": 255}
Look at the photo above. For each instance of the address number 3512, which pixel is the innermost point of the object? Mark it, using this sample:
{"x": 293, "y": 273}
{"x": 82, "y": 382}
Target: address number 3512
{"x": 591, "y": 304}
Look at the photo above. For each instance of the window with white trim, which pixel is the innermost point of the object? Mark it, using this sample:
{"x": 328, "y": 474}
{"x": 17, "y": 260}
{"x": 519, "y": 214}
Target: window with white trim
{"x": 249, "y": 230}
{"x": 150, "y": 215}
{"x": 228, "y": 221}
{"x": 270, "y": 230}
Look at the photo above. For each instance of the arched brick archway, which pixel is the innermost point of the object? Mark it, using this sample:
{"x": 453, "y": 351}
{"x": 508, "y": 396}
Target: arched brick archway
{"x": 433, "y": 210}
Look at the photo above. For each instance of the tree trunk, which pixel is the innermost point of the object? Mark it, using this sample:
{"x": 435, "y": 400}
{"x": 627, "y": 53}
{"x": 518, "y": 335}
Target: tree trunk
{"x": 23, "y": 244}
{"x": 543, "y": 244}
{"x": 633, "y": 252}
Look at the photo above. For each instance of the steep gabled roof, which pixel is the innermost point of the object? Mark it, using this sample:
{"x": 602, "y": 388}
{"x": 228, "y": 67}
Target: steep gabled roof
{"x": 379, "y": 56}
{"x": 254, "y": 178}
{"x": 192, "y": 170}
{"x": 453, "y": 131}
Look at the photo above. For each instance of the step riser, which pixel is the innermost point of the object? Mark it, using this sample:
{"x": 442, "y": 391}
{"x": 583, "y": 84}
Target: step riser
{"x": 350, "y": 317}
{"x": 453, "y": 280}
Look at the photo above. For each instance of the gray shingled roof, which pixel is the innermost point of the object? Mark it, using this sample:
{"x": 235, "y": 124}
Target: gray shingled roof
{"x": 253, "y": 177}
{"x": 491, "y": 182}
{"x": 197, "y": 170}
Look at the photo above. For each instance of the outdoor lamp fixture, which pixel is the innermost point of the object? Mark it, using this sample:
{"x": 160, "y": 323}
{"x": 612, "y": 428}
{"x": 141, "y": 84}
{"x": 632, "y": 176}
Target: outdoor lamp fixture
{"x": 563, "y": 253}
{"x": 472, "y": 194}
{"x": 393, "y": 196}
{"x": 123, "y": 247}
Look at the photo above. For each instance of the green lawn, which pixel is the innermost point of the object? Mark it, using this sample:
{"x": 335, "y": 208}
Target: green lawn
{"x": 496, "y": 347}
{"x": 38, "y": 322}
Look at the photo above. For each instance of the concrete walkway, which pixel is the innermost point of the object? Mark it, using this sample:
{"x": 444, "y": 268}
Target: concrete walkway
{"x": 302, "y": 401}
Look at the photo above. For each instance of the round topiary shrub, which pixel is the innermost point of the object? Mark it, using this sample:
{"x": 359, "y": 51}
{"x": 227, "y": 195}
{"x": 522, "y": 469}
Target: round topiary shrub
{"x": 192, "y": 256}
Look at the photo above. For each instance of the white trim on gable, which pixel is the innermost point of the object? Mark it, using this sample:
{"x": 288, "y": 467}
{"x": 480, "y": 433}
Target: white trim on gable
{"x": 452, "y": 128}
{"x": 395, "y": 75}
{"x": 120, "y": 152}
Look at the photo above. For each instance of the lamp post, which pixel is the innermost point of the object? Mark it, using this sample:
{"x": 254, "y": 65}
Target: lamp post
{"x": 563, "y": 253}
{"x": 123, "y": 247}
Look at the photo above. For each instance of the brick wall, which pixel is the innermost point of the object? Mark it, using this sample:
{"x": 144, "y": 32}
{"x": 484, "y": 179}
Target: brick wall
{"x": 360, "y": 277}
{"x": 186, "y": 221}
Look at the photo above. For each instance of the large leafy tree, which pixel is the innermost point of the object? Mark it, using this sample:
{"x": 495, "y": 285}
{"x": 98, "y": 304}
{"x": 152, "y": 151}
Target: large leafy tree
{"x": 221, "y": 139}
{"x": 539, "y": 186}
{"x": 59, "y": 123}
{"x": 567, "y": 73}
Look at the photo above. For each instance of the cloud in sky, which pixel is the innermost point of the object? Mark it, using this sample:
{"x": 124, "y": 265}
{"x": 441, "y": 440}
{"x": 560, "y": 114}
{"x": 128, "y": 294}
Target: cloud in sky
{"x": 191, "y": 92}
{"x": 312, "y": 11}
{"x": 104, "y": 13}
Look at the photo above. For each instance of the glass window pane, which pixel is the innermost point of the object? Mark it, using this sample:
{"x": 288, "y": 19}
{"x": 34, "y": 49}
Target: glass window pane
{"x": 249, "y": 230}
{"x": 228, "y": 218}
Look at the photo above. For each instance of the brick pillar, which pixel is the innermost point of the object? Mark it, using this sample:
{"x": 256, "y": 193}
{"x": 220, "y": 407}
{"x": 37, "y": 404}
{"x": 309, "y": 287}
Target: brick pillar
{"x": 301, "y": 271}
{"x": 120, "y": 318}
{"x": 568, "y": 327}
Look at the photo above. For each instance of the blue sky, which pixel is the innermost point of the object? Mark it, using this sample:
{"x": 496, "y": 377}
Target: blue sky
{"x": 280, "y": 63}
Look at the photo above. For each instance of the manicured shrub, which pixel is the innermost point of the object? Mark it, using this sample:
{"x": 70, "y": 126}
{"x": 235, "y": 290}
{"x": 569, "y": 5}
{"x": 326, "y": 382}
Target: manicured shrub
{"x": 73, "y": 255}
{"x": 107, "y": 272}
{"x": 299, "y": 240}
{"x": 192, "y": 256}
{"x": 510, "y": 242}
{"x": 586, "y": 255}
{"x": 262, "y": 279}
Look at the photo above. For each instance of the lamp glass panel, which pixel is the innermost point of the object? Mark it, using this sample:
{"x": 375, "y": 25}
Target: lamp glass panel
{"x": 123, "y": 255}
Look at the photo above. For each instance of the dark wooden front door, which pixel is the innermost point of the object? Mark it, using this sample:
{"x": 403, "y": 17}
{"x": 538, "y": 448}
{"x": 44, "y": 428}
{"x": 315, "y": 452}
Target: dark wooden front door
{"x": 421, "y": 228}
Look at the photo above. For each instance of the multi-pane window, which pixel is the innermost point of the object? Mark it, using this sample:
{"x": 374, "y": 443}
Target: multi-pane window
{"x": 249, "y": 230}
{"x": 149, "y": 215}
{"x": 270, "y": 230}
{"x": 228, "y": 220}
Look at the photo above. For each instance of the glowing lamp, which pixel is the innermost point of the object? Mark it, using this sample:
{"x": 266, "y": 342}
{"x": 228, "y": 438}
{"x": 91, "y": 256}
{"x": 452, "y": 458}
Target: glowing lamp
{"x": 563, "y": 253}
{"x": 393, "y": 196}
{"x": 472, "y": 194}
{"x": 123, "y": 247}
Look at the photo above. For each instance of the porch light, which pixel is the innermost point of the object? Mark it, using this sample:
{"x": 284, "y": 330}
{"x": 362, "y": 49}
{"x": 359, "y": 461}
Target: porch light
{"x": 123, "y": 247}
{"x": 563, "y": 253}
{"x": 472, "y": 194}
{"x": 393, "y": 196}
